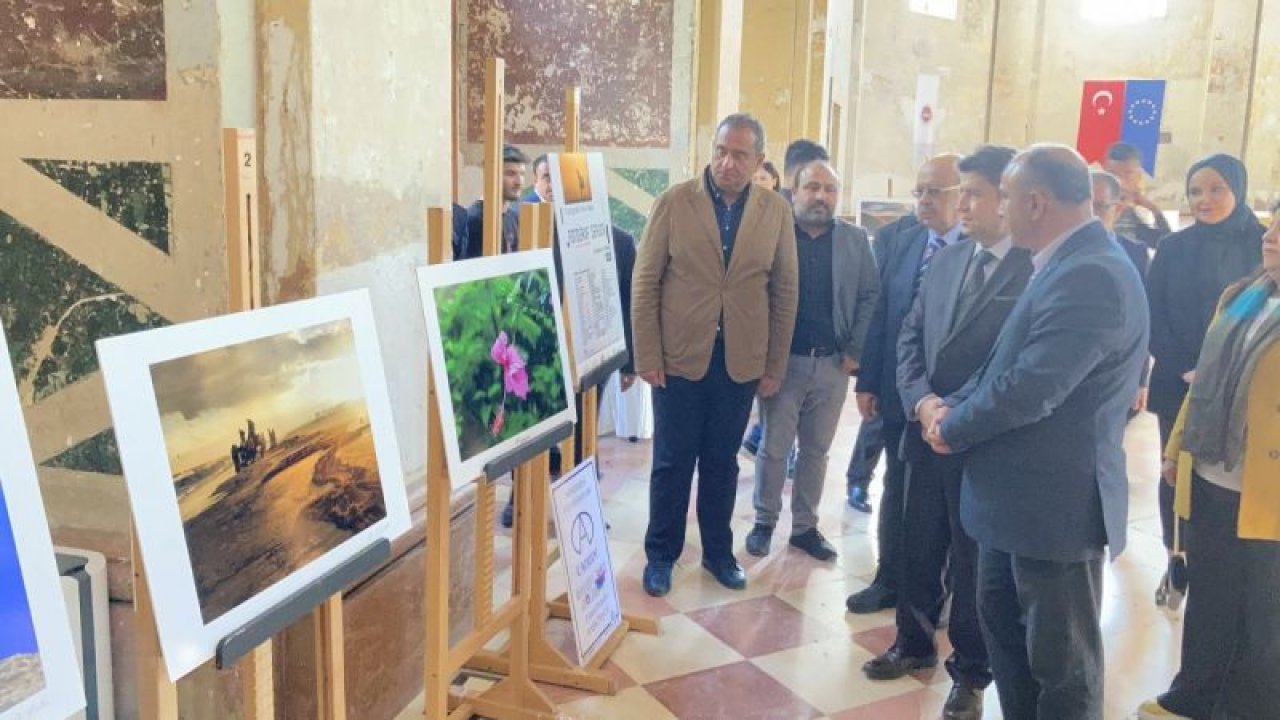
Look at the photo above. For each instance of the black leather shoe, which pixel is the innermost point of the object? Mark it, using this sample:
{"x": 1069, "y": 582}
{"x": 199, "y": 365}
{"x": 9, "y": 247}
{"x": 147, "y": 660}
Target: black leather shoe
{"x": 873, "y": 598}
{"x": 509, "y": 513}
{"x": 759, "y": 539}
{"x": 893, "y": 665}
{"x": 812, "y": 542}
{"x": 964, "y": 703}
{"x": 859, "y": 499}
{"x": 727, "y": 572}
{"x": 657, "y": 579}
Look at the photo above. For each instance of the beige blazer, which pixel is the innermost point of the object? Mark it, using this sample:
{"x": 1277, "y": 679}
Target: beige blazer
{"x": 680, "y": 286}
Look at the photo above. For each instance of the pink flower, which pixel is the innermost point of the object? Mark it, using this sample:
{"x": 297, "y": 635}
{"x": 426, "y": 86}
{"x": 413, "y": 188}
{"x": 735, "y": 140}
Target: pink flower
{"x": 515, "y": 378}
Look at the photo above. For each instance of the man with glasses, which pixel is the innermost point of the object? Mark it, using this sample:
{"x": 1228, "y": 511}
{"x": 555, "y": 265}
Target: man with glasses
{"x": 905, "y": 261}
{"x": 713, "y": 307}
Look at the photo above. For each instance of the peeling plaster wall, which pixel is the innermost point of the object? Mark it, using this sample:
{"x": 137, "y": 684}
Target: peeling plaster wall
{"x": 636, "y": 94}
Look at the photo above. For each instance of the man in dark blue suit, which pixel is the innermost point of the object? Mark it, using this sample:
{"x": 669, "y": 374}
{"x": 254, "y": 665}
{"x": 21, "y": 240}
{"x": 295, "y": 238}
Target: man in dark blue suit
{"x": 905, "y": 259}
{"x": 1044, "y": 492}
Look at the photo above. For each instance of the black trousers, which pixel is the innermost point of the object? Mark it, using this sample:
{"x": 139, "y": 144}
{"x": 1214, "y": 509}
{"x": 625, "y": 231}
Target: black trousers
{"x": 1165, "y": 492}
{"x": 889, "y": 528}
{"x": 866, "y": 453}
{"x": 696, "y": 423}
{"x": 1040, "y": 619}
{"x": 1231, "y": 631}
{"x": 932, "y": 532}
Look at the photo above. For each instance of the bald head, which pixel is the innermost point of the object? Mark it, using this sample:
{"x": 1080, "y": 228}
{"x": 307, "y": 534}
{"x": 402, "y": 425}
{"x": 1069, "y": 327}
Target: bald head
{"x": 1048, "y": 192}
{"x": 936, "y": 192}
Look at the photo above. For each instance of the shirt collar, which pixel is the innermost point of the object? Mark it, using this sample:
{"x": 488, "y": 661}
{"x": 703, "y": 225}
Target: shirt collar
{"x": 949, "y": 237}
{"x": 999, "y": 250}
{"x": 826, "y": 232}
{"x": 1042, "y": 258}
{"x": 716, "y": 195}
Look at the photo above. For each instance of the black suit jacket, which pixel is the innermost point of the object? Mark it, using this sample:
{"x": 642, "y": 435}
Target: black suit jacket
{"x": 939, "y": 352}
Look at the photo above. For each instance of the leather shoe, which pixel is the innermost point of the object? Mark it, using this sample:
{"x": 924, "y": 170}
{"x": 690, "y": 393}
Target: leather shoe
{"x": 727, "y": 572}
{"x": 812, "y": 542}
{"x": 859, "y": 499}
{"x": 893, "y": 665}
{"x": 873, "y": 598}
{"x": 758, "y": 540}
{"x": 964, "y": 703}
{"x": 657, "y": 579}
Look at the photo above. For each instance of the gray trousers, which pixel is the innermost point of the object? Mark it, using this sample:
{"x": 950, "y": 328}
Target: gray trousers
{"x": 805, "y": 409}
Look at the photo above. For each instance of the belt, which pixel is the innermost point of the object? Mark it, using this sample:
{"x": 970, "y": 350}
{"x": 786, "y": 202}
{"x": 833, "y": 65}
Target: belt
{"x": 816, "y": 352}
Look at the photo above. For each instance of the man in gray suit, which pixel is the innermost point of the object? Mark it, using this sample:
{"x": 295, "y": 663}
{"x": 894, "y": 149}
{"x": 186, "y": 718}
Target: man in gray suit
{"x": 1044, "y": 490}
{"x": 838, "y": 287}
{"x": 959, "y": 309}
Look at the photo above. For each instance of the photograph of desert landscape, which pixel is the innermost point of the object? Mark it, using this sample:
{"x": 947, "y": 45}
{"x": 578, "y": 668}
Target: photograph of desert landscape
{"x": 272, "y": 454}
{"x": 21, "y": 674}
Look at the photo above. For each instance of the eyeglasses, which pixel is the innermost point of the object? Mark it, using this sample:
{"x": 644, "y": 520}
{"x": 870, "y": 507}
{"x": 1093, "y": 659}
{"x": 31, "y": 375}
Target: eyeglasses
{"x": 931, "y": 192}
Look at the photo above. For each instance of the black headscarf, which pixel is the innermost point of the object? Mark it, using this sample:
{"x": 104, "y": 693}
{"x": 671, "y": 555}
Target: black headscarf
{"x": 1236, "y": 241}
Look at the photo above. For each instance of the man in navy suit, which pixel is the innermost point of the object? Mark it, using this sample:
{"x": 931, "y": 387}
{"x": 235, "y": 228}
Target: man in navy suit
{"x": 905, "y": 258}
{"x": 1044, "y": 492}
{"x": 962, "y": 303}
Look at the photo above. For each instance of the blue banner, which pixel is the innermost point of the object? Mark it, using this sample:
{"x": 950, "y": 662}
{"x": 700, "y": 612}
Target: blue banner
{"x": 1143, "y": 108}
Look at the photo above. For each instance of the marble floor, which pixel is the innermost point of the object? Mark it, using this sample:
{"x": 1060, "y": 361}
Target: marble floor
{"x": 784, "y": 648}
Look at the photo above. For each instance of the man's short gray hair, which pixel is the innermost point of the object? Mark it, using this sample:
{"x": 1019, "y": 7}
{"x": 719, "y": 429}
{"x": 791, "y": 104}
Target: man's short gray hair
{"x": 1110, "y": 181}
{"x": 744, "y": 121}
{"x": 1058, "y": 169}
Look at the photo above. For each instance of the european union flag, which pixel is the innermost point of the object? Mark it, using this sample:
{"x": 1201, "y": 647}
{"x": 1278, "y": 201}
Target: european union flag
{"x": 1143, "y": 107}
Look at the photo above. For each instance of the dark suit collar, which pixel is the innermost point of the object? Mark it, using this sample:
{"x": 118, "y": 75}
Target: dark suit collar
{"x": 1085, "y": 235}
{"x": 1016, "y": 262}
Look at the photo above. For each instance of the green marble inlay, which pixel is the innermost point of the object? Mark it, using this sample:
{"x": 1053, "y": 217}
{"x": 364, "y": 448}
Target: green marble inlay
{"x": 98, "y": 454}
{"x": 137, "y": 195}
{"x": 626, "y": 217}
{"x": 53, "y": 309}
{"x": 651, "y": 181}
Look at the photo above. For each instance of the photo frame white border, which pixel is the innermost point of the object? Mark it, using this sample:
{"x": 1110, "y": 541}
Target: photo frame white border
{"x": 185, "y": 639}
{"x": 570, "y": 262}
{"x": 63, "y": 692}
{"x": 432, "y": 277}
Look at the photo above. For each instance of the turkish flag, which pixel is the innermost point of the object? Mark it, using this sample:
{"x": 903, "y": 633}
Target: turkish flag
{"x": 1101, "y": 115}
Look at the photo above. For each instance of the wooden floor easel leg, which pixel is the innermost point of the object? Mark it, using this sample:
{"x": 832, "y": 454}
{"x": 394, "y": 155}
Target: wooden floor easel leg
{"x": 331, "y": 673}
{"x": 157, "y": 695}
{"x": 517, "y": 697}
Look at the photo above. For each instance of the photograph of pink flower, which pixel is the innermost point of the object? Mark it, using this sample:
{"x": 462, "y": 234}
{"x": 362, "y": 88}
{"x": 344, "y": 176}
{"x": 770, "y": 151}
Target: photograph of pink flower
{"x": 498, "y": 354}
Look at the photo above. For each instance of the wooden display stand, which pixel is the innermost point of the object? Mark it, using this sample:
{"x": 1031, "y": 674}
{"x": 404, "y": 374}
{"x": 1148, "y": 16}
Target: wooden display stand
{"x": 547, "y": 663}
{"x": 516, "y": 696}
{"x": 157, "y": 694}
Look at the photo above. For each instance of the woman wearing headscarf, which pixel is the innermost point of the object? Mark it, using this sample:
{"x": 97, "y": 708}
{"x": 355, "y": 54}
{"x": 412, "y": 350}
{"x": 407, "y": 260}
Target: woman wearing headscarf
{"x": 1225, "y": 456}
{"x": 1186, "y": 278}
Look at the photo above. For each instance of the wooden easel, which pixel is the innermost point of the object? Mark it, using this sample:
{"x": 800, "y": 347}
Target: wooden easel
{"x": 157, "y": 694}
{"x": 547, "y": 663}
{"x": 516, "y": 696}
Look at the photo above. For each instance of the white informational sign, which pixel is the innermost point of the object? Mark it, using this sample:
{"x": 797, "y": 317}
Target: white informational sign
{"x": 926, "y": 115}
{"x": 39, "y": 672}
{"x": 259, "y": 454}
{"x": 584, "y": 550}
{"x": 587, "y": 261}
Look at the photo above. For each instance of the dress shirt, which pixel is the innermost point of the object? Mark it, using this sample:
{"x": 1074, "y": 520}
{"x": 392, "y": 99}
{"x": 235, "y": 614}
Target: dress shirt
{"x": 815, "y": 311}
{"x": 1042, "y": 258}
{"x": 728, "y": 217}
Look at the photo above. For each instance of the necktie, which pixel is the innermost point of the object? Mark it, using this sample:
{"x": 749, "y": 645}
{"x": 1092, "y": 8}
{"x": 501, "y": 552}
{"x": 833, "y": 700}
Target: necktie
{"x": 936, "y": 243}
{"x": 974, "y": 280}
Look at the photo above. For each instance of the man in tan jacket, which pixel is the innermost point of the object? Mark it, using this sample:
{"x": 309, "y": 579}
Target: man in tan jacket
{"x": 712, "y": 311}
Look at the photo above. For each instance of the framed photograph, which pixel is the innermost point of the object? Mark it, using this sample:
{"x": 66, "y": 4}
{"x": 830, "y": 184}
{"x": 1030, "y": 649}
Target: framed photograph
{"x": 259, "y": 454}
{"x": 874, "y": 214}
{"x": 498, "y": 355}
{"x": 39, "y": 671}
{"x": 584, "y": 233}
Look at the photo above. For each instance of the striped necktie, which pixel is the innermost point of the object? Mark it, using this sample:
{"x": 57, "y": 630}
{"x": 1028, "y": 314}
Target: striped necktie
{"x": 936, "y": 243}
